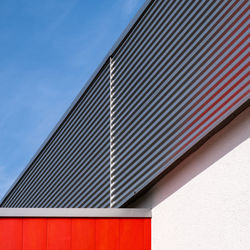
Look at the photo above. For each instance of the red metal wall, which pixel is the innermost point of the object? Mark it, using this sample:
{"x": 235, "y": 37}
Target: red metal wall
{"x": 75, "y": 234}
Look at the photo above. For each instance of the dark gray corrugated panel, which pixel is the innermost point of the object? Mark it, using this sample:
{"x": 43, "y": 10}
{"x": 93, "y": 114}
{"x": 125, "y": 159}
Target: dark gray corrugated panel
{"x": 13, "y": 193}
{"x": 72, "y": 170}
{"x": 180, "y": 72}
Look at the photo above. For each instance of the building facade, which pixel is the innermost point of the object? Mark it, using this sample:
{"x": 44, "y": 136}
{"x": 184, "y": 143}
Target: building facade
{"x": 163, "y": 123}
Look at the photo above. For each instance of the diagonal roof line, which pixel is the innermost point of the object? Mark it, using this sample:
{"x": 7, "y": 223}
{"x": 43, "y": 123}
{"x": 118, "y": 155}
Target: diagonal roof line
{"x": 116, "y": 45}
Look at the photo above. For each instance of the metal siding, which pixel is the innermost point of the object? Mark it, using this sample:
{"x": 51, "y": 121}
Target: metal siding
{"x": 75, "y": 213}
{"x": 75, "y": 233}
{"x": 34, "y": 234}
{"x": 11, "y": 231}
{"x": 73, "y": 168}
{"x": 182, "y": 70}
{"x": 177, "y": 72}
{"x": 83, "y": 234}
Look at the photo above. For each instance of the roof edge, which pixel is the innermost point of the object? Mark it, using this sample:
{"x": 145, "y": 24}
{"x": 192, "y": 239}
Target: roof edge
{"x": 118, "y": 43}
{"x": 75, "y": 212}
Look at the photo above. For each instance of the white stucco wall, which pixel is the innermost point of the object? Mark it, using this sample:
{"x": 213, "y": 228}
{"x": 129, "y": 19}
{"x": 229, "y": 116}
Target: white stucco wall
{"x": 205, "y": 202}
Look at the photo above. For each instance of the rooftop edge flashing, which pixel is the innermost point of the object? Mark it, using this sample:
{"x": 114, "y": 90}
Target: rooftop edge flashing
{"x": 118, "y": 43}
{"x": 75, "y": 212}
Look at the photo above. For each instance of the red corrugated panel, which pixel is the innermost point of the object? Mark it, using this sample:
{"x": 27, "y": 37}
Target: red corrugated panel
{"x": 75, "y": 234}
{"x": 11, "y": 232}
{"x": 131, "y": 234}
{"x": 35, "y": 234}
{"x": 107, "y": 234}
{"x": 147, "y": 234}
{"x": 83, "y": 234}
{"x": 59, "y": 234}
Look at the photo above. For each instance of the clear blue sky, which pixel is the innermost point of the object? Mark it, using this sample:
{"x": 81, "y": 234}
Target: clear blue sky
{"x": 48, "y": 50}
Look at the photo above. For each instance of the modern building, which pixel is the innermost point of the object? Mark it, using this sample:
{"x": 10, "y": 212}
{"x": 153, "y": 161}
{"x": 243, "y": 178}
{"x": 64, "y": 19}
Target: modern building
{"x": 163, "y": 123}
{"x": 75, "y": 229}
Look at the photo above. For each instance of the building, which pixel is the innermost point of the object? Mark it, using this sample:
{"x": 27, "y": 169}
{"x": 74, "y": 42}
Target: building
{"x": 163, "y": 123}
{"x": 75, "y": 229}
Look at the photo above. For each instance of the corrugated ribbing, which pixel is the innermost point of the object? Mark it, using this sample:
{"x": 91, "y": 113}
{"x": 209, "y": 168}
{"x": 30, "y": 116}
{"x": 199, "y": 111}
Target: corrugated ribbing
{"x": 180, "y": 72}
{"x": 72, "y": 170}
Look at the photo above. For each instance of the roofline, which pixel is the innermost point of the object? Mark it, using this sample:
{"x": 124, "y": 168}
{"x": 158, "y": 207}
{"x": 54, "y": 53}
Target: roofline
{"x": 116, "y": 45}
{"x": 75, "y": 213}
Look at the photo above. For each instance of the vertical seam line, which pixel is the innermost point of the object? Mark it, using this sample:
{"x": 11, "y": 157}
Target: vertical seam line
{"x": 110, "y": 131}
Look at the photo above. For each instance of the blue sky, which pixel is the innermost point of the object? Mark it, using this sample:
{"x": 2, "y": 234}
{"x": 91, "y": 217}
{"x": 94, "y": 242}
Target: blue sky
{"x": 48, "y": 50}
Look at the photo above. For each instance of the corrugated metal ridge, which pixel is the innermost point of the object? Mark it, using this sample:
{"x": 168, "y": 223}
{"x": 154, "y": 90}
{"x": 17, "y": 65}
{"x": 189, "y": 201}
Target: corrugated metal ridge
{"x": 167, "y": 97}
{"x": 177, "y": 72}
{"x": 116, "y": 45}
{"x": 66, "y": 154}
{"x": 75, "y": 133}
{"x": 77, "y": 113}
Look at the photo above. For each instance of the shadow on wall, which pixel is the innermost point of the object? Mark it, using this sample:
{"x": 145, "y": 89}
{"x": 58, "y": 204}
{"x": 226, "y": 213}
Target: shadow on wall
{"x": 213, "y": 150}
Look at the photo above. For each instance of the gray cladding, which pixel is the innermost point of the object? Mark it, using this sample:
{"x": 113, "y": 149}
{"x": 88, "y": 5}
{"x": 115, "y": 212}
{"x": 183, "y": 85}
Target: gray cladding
{"x": 177, "y": 72}
{"x": 72, "y": 170}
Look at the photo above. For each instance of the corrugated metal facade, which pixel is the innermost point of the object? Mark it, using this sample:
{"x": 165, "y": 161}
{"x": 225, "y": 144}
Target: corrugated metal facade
{"x": 72, "y": 170}
{"x": 179, "y": 71}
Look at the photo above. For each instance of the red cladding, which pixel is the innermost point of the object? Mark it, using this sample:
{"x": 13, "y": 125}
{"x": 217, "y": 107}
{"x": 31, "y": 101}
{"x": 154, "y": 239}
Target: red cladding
{"x": 83, "y": 234}
{"x": 34, "y": 234}
{"x": 75, "y": 234}
{"x": 11, "y": 234}
{"x": 59, "y": 234}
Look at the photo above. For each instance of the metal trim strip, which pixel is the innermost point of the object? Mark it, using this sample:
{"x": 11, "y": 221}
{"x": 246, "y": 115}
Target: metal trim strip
{"x": 76, "y": 212}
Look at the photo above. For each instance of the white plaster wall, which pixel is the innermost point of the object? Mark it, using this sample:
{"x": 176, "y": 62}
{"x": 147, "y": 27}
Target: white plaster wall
{"x": 204, "y": 203}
